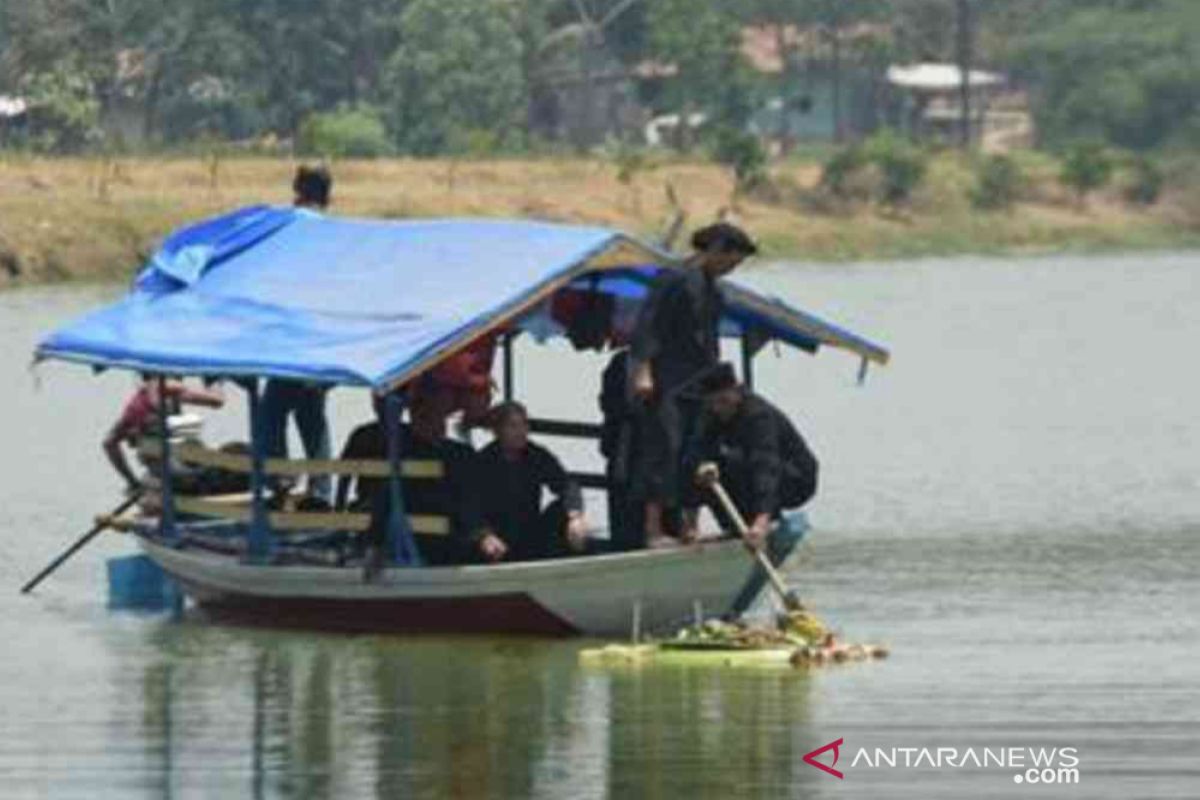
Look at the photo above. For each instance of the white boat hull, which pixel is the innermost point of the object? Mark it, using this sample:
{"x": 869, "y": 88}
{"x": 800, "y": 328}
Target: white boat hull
{"x": 593, "y": 595}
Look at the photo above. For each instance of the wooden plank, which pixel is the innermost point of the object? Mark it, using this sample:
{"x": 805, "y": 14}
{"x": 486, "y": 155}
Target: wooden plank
{"x": 590, "y": 480}
{"x": 566, "y": 428}
{"x": 622, "y": 254}
{"x": 429, "y": 524}
{"x": 200, "y": 456}
{"x": 280, "y": 520}
{"x": 294, "y": 521}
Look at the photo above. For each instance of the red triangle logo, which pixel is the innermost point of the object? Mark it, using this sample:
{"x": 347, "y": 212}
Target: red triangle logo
{"x": 811, "y": 758}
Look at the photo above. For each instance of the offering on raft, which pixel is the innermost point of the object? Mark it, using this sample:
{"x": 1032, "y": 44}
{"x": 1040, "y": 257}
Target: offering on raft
{"x": 799, "y": 638}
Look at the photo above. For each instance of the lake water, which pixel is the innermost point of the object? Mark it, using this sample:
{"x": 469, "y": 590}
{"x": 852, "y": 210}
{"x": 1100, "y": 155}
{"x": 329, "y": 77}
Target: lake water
{"x": 1013, "y": 505}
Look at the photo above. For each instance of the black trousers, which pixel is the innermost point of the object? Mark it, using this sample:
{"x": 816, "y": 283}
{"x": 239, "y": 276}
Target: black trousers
{"x": 624, "y": 516}
{"x": 540, "y": 537}
{"x": 666, "y": 426}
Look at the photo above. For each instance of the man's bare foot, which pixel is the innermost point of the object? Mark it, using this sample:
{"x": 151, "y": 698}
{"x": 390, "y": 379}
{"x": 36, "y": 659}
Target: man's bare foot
{"x": 661, "y": 542}
{"x": 652, "y": 521}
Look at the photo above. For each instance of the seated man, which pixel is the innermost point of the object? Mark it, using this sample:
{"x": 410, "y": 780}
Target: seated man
{"x": 366, "y": 443}
{"x": 141, "y": 417}
{"x": 512, "y": 473}
{"x": 453, "y": 496}
{"x": 763, "y": 462}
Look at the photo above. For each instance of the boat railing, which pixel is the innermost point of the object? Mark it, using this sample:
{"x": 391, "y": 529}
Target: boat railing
{"x": 238, "y": 507}
{"x": 569, "y": 429}
{"x": 197, "y": 455}
{"x": 565, "y": 428}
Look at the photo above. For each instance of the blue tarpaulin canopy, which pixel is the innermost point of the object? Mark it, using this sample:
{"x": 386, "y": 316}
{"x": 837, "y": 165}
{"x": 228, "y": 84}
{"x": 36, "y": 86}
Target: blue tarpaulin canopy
{"x": 288, "y": 293}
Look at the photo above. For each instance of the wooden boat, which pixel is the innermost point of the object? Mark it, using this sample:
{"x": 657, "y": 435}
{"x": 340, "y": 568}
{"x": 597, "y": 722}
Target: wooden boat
{"x": 278, "y": 293}
{"x": 605, "y": 594}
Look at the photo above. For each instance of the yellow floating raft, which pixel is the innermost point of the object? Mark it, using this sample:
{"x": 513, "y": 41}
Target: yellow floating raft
{"x": 800, "y": 641}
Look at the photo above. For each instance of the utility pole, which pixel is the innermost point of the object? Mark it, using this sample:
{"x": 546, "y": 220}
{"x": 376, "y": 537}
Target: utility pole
{"x": 965, "y": 41}
{"x": 835, "y": 32}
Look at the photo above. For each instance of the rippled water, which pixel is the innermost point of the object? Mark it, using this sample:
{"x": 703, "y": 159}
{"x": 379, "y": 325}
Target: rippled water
{"x": 1014, "y": 505}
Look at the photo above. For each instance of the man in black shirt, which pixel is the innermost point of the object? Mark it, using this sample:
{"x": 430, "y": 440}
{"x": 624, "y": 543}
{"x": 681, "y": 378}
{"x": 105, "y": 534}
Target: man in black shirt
{"x": 453, "y": 497}
{"x": 367, "y": 442}
{"x": 512, "y": 473}
{"x": 619, "y": 441}
{"x": 763, "y": 462}
{"x": 674, "y": 343}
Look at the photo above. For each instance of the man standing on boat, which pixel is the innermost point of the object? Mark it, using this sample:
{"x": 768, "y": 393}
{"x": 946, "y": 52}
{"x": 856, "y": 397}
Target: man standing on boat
{"x": 762, "y": 460}
{"x": 304, "y": 401}
{"x": 674, "y": 343}
{"x": 619, "y": 441}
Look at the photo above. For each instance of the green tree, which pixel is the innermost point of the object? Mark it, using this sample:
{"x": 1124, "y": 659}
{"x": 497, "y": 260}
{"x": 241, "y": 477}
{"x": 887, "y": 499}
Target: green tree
{"x": 700, "y": 41}
{"x": 351, "y": 132}
{"x": 1125, "y": 72}
{"x": 924, "y": 30}
{"x": 901, "y": 166}
{"x": 1146, "y": 181}
{"x": 457, "y": 70}
{"x": 65, "y": 111}
{"x": 1087, "y": 166}
{"x": 998, "y": 183}
{"x": 741, "y": 151}
{"x": 840, "y": 170}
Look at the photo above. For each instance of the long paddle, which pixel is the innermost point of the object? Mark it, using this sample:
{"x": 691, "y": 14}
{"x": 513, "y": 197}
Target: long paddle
{"x": 791, "y": 600}
{"x": 100, "y": 525}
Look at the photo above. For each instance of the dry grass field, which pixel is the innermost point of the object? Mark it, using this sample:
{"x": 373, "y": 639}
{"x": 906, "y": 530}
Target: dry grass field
{"x": 96, "y": 219}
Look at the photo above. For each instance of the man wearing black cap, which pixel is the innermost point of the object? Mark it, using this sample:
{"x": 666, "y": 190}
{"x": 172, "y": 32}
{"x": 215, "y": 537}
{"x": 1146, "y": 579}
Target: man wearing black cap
{"x": 674, "y": 343}
{"x": 763, "y": 462}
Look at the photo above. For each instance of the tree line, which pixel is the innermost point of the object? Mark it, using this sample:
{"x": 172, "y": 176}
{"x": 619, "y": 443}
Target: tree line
{"x": 427, "y": 77}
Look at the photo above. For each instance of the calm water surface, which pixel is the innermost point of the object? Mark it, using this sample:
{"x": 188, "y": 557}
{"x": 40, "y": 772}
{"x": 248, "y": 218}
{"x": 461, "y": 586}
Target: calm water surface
{"x": 1014, "y": 505}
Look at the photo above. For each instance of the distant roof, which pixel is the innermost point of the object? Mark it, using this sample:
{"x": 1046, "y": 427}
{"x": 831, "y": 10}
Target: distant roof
{"x": 760, "y": 46}
{"x": 761, "y": 43}
{"x": 285, "y": 293}
{"x": 938, "y": 77}
{"x": 12, "y": 106}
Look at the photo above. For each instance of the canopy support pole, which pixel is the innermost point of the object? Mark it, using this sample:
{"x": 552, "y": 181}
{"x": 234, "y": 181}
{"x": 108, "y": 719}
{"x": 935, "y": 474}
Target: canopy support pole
{"x": 508, "y": 367}
{"x": 166, "y": 516}
{"x": 748, "y": 350}
{"x": 258, "y": 543}
{"x": 399, "y": 546}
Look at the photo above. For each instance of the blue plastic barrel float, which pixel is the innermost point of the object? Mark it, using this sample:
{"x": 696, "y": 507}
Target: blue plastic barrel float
{"x": 136, "y": 582}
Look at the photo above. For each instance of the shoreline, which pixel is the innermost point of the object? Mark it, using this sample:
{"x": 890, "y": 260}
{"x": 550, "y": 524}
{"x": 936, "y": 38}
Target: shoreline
{"x": 97, "y": 220}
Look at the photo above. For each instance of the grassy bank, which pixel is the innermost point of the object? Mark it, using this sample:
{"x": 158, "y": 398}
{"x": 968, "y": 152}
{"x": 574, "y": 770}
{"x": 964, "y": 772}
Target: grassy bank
{"x": 97, "y": 219}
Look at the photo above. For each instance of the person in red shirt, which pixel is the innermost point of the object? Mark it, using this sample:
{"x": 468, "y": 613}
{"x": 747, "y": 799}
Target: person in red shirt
{"x": 140, "y": 416}
{"x": 464, "y": 381}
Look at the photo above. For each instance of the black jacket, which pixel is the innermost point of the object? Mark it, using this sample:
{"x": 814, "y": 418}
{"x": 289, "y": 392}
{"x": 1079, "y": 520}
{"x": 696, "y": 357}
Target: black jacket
{"x": 677, "y": 328}
{"x": 616, "y": 408}
{"x": 765, "y": 464}
{"x": 511, "y": 497}
{"x": 454, "y": 496}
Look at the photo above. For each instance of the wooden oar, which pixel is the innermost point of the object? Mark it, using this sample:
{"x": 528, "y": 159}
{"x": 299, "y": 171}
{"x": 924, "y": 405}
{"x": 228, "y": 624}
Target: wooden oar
{"x": 100, "y": 525}
{"x": 791, "y": 600}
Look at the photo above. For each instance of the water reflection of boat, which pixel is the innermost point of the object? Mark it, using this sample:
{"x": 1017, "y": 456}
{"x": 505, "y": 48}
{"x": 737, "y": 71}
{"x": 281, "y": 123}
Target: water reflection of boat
{"x": 279, "y": 293}
{"x": 266, "y": 714}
